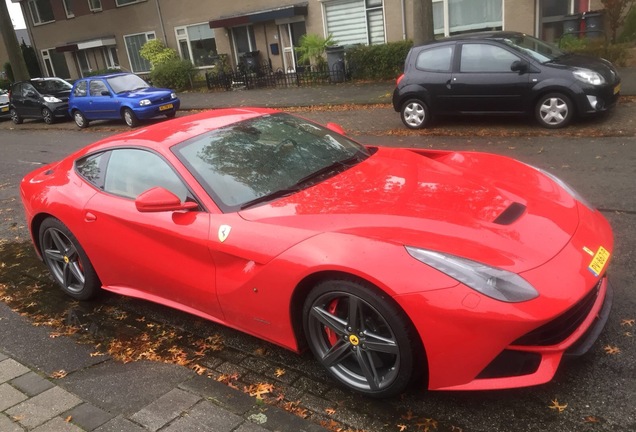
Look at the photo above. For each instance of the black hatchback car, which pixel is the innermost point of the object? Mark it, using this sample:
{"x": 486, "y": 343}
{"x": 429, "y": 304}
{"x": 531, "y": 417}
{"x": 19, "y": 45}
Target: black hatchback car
{"x": 502, "y": 73}
{"x": 41, "y": 98}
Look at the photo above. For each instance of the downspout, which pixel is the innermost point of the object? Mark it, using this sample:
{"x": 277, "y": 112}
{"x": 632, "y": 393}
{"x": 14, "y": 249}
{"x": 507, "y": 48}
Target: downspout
{"x": 163, "y": 29}
{"x": 403, "y": 20}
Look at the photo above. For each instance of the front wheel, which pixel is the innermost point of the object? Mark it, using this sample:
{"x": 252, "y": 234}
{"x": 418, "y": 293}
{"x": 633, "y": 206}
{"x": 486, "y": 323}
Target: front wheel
{"x": 415, "y": 114}
{"x": 361, "y": 337}
{"x": 554, "y": 110}
{"x": 68, "y": 263}
{"x": 130, "y": 118}
{"x": 47, "y": 116}
{"x": 80, "y": 120}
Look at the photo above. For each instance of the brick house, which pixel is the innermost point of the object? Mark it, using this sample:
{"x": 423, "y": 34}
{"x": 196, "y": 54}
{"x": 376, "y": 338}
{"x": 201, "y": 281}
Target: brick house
{"x": 73, "y": 37}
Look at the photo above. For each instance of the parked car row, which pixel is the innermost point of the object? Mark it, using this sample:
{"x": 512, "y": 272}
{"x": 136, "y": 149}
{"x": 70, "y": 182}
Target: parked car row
{"x": 103, "y": 97}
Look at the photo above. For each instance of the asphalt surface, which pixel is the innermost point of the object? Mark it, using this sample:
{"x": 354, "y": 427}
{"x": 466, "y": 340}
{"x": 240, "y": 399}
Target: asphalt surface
{"x": 56, "y": 384}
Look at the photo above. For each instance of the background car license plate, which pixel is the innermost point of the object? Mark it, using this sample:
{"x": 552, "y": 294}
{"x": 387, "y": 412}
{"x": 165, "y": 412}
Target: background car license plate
{"x": 5, "y": 109}
{"x": 599, "y": 261}
{"x": 617, "y": 88}
{"x": 166, "y": 107}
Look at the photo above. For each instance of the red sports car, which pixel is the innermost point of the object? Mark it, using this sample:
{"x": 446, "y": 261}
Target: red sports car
{"x": 463, "y": 270}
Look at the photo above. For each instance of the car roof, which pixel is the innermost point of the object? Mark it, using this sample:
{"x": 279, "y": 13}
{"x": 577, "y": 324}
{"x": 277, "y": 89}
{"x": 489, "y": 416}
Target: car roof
{"x": 164, "y": 135}
{"x": 109, "y": 75}
{"x": 492, "y": 35}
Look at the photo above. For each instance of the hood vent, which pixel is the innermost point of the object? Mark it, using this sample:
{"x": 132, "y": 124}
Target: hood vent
{"x": 511, "y": 214}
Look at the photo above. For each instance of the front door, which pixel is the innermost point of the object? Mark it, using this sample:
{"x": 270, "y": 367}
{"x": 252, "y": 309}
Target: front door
{"x": 290, "y": 34}
{"x": 101, "y": 102}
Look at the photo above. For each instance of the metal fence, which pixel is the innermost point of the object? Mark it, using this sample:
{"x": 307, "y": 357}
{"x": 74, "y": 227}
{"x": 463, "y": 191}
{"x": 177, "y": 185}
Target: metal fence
{"x": 262, "y": 76}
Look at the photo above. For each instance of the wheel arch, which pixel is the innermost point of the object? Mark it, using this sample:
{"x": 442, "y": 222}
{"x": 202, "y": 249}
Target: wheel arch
{"x": 539, "y": 93}
{"x": 36, "y": 223}
{"x": 413, "y": 92}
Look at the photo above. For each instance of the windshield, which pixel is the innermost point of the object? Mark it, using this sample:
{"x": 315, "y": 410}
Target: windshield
{"x": 260, "y": 159}
{"x": 125, "y": 83}
{"x": 51, "y": 85}
{"x": 535, "y": 48}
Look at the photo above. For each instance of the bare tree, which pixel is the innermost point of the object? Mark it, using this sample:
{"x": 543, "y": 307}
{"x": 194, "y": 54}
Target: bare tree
{"x": 615, "y": 11}
{"x": 16, "y": 59}
{"x": 423, "y": 30}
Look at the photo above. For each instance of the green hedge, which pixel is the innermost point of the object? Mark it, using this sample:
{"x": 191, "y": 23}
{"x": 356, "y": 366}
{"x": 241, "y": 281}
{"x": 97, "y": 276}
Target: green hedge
{"x": 173, "y": 74}
{"x": 5, "y": 84}
{"x": 384, "y": 61}
{"x": 618, "y": 53}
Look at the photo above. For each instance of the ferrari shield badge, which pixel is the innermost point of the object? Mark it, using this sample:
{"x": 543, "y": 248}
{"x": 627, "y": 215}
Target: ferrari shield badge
{"x": 224, "y": 232}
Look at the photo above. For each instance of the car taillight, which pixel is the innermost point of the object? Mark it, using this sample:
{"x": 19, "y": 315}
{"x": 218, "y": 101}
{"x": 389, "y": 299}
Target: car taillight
{"x": 399, "y": 79}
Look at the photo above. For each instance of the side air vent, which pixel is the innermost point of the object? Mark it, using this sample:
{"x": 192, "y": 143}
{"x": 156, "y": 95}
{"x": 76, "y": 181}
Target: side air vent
{"x": 511, "y": 214}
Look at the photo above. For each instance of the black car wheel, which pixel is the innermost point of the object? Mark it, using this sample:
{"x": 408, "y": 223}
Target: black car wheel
{"x": 47, "y": 116}
{"x": 15, "y": 117}
{"x": 80, "y": 120}
{"x": 67, "y": 261}
{"x": 554, "y": 110}
{"x": 415, "y": 114}
{"x": 360, "y": 337}
{"x": 130, "y": 118}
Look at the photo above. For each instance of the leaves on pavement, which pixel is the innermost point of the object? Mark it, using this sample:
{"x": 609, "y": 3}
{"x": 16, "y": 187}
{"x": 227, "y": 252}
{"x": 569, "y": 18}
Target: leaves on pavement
{"x": 557, "y": 406}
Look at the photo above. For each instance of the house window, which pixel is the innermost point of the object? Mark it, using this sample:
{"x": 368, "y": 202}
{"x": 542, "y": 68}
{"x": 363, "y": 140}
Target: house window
{"x": 111, "y": 60}
{"x": 133, "y": 45}
{"x": 95, "y": 5}
{"x": 41, "y": 11}
{"x": 82, "y": 61}
{"x": 197, "y": 44}
{"x": 552, "y": 15}
{"x": 68, "y": 8}
{"x": 457, "y": 16}
{"x": 355, "y": 21}
{"x": 55, "y": 63}
{"x": 127, "y": 2}
{"x": 243, "y": 39}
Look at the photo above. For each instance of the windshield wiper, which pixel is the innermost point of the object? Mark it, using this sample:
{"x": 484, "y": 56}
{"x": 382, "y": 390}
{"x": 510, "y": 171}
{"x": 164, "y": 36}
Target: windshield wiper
{"x": 276, "y": 194}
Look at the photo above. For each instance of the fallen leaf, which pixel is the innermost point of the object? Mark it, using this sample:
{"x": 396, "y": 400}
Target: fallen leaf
{"x": 611, "y": 350}
{"x": 591, "y": 419}
{"x": 556, "y": 406}
{"x": 628, "y": 322}
{"x": 260, "y": 351}
{"x": 330, "y": 411}
{"x": 258, "y": 390}
{"x": 59, "y": 374}
{"x": 279, "y": 373}
{"x": 409, "y": 415}
{"x": 401, "y": 427}
{"x": 456, "y": 429}
{"x": 198, "y": 369}
{"x": 96, "y": 354}
{"x": 68, "y": 419}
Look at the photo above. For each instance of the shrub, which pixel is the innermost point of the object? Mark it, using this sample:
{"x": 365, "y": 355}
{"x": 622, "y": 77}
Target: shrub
{"x": 5, "y": 84}
{"x": 629, "y": 29}
{"x": 175, "y": 74}
{"x": 157, "y": 53}
{"x": 384, "y": 61}
{"x": 8, "y": 70}
{"x": 311, "y": 48}
{"x": 617, "y": 53}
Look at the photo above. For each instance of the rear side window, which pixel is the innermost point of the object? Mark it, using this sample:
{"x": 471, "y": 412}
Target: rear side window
{"x": 435, "y": 59}
{"x": 92, "y": 169}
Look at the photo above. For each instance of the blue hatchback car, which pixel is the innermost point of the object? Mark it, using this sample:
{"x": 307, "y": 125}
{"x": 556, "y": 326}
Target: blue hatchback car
{"x": 119, "y": 96}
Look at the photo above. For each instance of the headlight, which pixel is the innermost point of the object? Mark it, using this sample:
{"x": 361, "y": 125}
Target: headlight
{"x": 491, "y": 281}
{"x": 588, "y": 76}
{"x": 173, "y": 95}
{"x": 569, "y": 189}
{"x": 52, "y": 99}
{"x": 144, "y": 102}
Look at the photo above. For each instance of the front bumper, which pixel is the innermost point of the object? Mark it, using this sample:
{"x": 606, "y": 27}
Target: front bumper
{"x": 151, "y": 111}
{"x": 59, "y": 110}
{"x": 591, "y": 100}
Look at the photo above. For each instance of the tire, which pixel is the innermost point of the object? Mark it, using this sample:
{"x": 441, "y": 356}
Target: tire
{"x": 129, "y": 117}
{"x": 67, "y": 261}
{"x": 377, "y": 356}
{"x": 415, "y": 114}
{"x": 554, "y": 110}
{"x": 15, "y": 117}
{"x": 47, "y": 116}
{"x": 80, "y": 120}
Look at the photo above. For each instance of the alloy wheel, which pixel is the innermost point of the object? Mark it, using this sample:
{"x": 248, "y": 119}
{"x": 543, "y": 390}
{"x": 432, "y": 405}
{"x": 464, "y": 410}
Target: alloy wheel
{"x": 62, "y": 258}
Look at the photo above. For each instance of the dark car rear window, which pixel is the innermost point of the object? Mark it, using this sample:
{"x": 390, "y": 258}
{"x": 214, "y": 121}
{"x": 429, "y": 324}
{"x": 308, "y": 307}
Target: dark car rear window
{"x": 435, "y": 59}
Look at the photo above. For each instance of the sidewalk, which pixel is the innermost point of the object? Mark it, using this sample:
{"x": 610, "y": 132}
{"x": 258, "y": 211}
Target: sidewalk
{"x": 101, "y": 395}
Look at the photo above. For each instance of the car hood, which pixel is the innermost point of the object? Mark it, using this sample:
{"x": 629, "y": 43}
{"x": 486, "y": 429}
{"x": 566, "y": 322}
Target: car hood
{"x": 62, "y": 95}
{"x": 483, "y": 207}
{"x": 146, "y": 93}
{"x": 602, "y": 66}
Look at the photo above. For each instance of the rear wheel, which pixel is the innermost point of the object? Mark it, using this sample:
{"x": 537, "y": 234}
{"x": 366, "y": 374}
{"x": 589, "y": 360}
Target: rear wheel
{"x": 554, "y": 110}
{"x": 415, "y": 114}
{"x": 130, "y": 118}
{"x": 47, "y": 116}
{"x": 15, "y": 117}
{"x": 67, "y": 261}
{"x": 80, "y": 120}
{"x": 360, "y": 337}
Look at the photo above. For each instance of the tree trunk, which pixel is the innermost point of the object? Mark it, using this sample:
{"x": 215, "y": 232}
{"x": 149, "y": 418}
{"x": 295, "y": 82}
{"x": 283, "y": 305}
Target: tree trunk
{"x": 422, "y": 22}
{"x": 16, "y": 59}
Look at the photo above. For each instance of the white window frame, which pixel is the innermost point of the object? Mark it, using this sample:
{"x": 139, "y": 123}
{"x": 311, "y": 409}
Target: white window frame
{"x": 33, "y": 7}
{"x": 367, "y": 9}
{"x": 47, "y": 57}
{"x": 95, "y": 9}
{"x": 128, "y": 2}
{"x": 69, "y": 13}
{"x": 447, "y": 31}
{"x": 185, "y": 37}
{"x": 109, "y": 60}
{"x": 84, "y": 54}
{"x": 149, "y": 36}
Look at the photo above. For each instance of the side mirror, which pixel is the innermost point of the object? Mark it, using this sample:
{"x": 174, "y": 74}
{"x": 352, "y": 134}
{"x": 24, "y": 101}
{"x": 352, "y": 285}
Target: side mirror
{"x": 519, "y": 66}
{"x": 336, "y": 128}
{"x": 158, "y": 199}
{"x": 106, "y": 93}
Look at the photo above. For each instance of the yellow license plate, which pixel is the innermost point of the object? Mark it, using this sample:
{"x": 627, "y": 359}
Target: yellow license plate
{"x": 166, "y": 107}
{"x": 5, "y": 109}
{"x": 599, "y": 261}
{"x": 617, "y": 89}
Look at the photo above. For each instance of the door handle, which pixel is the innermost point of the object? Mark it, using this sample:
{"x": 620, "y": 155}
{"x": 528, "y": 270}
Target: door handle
{"x": 90, "y": 217}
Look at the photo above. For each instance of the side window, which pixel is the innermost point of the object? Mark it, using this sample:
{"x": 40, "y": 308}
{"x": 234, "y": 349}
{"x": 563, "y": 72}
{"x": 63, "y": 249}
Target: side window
{"x": 92, "y": 169}
{"x": 28, "y": 88}
{"x": 435, "y": 59}
{"x": 97, "y": 87}
{"x": 131, "y": 172}
{"x": 485, "y": 58}
{"x": 16, "y": 89}
{"x": 80, "y": 89}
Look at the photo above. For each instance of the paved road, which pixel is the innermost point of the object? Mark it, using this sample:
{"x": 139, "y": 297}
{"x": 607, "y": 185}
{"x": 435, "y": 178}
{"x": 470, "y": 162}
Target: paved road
{"x": 598, "y": 389}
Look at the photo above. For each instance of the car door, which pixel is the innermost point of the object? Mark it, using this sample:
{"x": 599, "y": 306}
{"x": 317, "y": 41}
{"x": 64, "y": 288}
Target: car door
{"x": 29, "y": 101}
{"x": 483, "y": 81}
{"x": 432, "y": 71}
{"x": 101, "y": 104}
{"x": 160, "y": 256}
